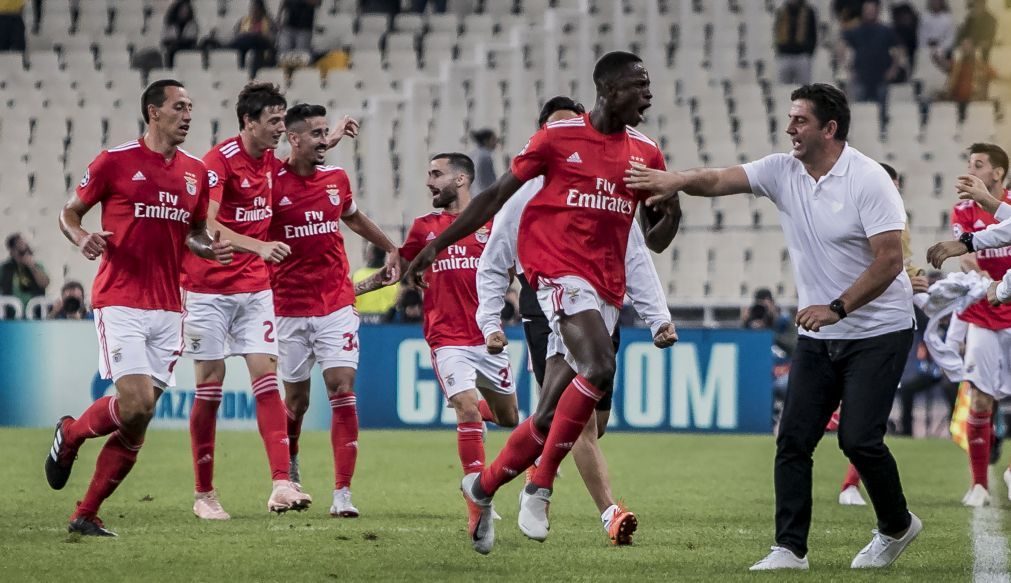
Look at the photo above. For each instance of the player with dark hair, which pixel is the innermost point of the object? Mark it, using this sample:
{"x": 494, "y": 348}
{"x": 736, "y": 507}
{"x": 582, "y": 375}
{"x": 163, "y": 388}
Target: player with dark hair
{"x": 313, "y": 295}
{"x": 154, "y": 204}
{"x": 579, "y": 278}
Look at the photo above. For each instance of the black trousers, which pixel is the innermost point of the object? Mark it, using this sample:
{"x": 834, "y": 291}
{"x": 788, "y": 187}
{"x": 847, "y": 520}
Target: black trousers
{"x": 537, "y": 330}
{"x": 862, "y": 374}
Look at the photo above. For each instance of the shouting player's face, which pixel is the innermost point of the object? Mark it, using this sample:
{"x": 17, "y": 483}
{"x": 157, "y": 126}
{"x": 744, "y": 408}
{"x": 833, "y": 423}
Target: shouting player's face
{"x": 807, "y": 134}
{"x": 268, "y": 128}
{"x": 443, "y": 183}
{"x": 172, "y": 119}
{"x": 630, "y": 96}
{"x": 980, "y": 167}
{"x": 308, "y": 140}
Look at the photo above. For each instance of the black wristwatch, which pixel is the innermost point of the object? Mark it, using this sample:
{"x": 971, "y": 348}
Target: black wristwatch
{"x": 966, "y": 239}
{"x": 837, "y": 307}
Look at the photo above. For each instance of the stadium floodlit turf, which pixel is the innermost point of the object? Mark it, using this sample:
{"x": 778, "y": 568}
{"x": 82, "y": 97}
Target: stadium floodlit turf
{"x": 705, "y": 505}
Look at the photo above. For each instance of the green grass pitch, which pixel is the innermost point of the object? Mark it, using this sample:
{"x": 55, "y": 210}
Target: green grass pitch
{"x": 705, "y": 505}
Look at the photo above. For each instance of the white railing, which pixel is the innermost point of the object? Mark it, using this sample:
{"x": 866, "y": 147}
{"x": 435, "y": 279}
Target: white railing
{"x": 13, "y": 303}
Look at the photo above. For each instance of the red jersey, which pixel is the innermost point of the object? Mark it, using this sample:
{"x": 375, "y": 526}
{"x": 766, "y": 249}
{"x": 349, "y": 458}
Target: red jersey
{"x": 967, "y": 217}
{"x": 578, "y": 224}
{"x": 314, "y": 280}
{"x": 241, "y": 185}
{"x": 148, "y": 205}
{"x": 451, "y": 298}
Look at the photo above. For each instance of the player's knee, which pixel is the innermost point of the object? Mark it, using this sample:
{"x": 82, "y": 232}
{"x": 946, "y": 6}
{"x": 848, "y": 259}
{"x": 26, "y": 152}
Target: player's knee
{"x": 860, "y": 446}
{"x": 542, "y": 421}
{"x": 465, "y": 405}
{"x": 298, "y": 404}
{"x": 981, "y": 402}
{"x": 340, "y": 389}
{"x": 508, "y": 418}
{"x": 601, "y": 374}
{"x": 136, "y": 412}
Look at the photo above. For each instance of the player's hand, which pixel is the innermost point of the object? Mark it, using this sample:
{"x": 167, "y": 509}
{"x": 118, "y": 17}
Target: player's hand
{"x": 939, "y": 252}
{"x": 391, "y": 270}
{"x": 991, "y": 294}
{"x": 814, "y": 318}
{"x": 347, "y": 126}
{"x": 222, "y": 250}
{"x": 416, "y": 270}
{"x": 971, "y": 187}
{"x": 496, "y": 342}
{"x": 920, "y": 284}
{"x": 274, "y": 251}
{"x": 666, "y": 336}
{"x": 94, "y": 244}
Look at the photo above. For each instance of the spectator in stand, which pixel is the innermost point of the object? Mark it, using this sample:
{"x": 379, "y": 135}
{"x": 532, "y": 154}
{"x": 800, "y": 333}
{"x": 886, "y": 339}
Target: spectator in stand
{"x": 70, "y": 305}
{"x": 21, "y": 276}
{"x": 409, "y": 307}
{"x": 906, "y": 22}
{"x": 766, "y": 313}
{"x": 876, "y": 57}
{"x": 969, "y": 74}
{"x": 180, "y": 30}
{"x": 937, "y": 30}
{"x": 375, "y": 305}
{"x": 254, "y": 33}
{"x": 297, "y": 19}
{"x": 484, "y": 159}
{"x": 389, "y": 7}
{"x": 796, "y": 34}
{"x": 980, "y": 26}
{"x": 438, "y": 6}
{"x": 12, "y": 25}
{"x": 847, "y": 12}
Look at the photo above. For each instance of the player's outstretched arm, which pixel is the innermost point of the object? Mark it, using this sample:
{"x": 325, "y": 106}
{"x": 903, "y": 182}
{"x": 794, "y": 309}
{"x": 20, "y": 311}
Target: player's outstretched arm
{"x": 661, "y": 223}
{"x": 202, "y": 245}
{"x": 269, "y": 251}
{"x": 696, "y": 182}
{"x": 480, "y": 210}
{"x": 367, "y": 229}
{"x": 348, "y": 126}
{"x": 91, "y": 245}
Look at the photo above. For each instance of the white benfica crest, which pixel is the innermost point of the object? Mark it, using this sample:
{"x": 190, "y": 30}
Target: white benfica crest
{"x": 481, "y": 235}
{"x": 191, "y": 184}
{"x": 335, "y": 196}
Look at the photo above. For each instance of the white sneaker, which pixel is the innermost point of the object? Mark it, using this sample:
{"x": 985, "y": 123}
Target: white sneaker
{"x": 480, "y": 524}
{"x": 1007, "y": 482}
{"x": 883, "y": 549}
{"x": 533, "y": 514}
{"x": 851, "y": 497}
{"x": 976, "y": 497}
{"x": 781, "y": 558}
{"x": 207, "y": 506}
{"x": 342, "y": 506}
{"x": 286, "y": 496}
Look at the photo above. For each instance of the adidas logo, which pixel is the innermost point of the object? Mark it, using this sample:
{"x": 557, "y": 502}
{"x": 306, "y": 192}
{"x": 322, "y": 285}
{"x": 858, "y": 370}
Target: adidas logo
{"x": 206, "y": 459}
{"x": 979, "y": 224}
{"x": 284, "y": 201}
{"x": 574, "y": 159}
{"x": 245, "y": 183}
{"x": 430, "y": 236}
{"x": 565, "y": 445}
{"x": 139, "y": 176}
{"x": 351, "y": 444}
{"x": 510, "y": 471}
{"x": 475, "y": 463}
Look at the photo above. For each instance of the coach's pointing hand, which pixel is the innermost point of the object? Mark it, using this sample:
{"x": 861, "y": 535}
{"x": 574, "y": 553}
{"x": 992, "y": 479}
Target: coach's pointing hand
{"x": 416, "y": 270}
{"x": 939, "y": 252}
{"x": 666, "y": 336}
{"x": 94, "y": 244}
{"x": 222, "y": 250}
{"x": 665, "y": 184}
{"x": 813, "y": 318}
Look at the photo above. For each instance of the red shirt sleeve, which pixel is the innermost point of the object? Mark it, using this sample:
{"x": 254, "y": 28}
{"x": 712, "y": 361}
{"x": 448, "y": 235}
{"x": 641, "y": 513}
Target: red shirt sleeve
{"x": 415, "y": 242}
{"x": 93, "y": 186}
{"x": 961, "y": 219}
{"x": 350, "y": 207}
{"x": 532, "y": 161}
{"x": 217, "y": 174}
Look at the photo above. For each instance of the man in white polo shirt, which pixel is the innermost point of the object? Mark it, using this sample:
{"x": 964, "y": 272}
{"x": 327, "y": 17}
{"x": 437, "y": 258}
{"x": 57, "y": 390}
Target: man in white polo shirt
{"x": 843, "y": 220}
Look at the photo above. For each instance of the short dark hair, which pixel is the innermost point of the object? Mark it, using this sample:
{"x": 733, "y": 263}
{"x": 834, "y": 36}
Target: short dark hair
{"x": 558, "y": 103}
{"x": 12, "y": 240}
{"x": 255, "y": 97}
{"x": 763, "y": 293}
{"x": 302, "y": 112}
{"x": 482, "y": 136}
{"x": 611, "y": 65}
{"x": 829, "y": 104}
{"x": 460, "y": 162}
{"x": 997, "y": 155}
{"x": 72, "y": 284}
{"x": 155, "y": 95}
{"x": 891, "y": 171}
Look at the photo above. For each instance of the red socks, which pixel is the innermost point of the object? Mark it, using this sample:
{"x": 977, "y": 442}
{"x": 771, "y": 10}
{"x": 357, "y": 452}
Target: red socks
{"x": 294, "y": 430}
{"x": 573, "y": 411}
{"x": 978, "y": 434}
{"x": 521, "y": 449}
{"x": 203, "y": 424}
{"x": 101, "y": 418}
{"x": 272, "y": 422}
{"x": 470, "y": 445}
{"x": 852, "y": 477}
{"x": 114, "y": 463}
{"x": 344, "y": 437}
{"x": 486, "y": 413}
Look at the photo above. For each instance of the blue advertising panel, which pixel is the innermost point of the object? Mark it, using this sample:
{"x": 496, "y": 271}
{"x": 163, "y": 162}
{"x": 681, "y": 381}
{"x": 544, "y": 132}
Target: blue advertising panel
{"x": 712, "y": 380}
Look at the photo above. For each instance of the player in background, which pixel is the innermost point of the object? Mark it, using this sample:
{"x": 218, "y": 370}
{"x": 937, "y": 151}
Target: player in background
{"x": 579, "y": 278}
{"x": 154, "y": 206}
{"x": 466, "y": 371}
{"x": 230, "y": 309}
{"x": 988, "y": 339}
{"x": 645, "y": 291}
{"x": 313, "y": 294}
